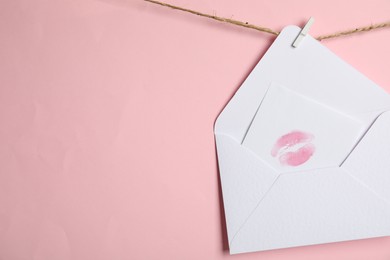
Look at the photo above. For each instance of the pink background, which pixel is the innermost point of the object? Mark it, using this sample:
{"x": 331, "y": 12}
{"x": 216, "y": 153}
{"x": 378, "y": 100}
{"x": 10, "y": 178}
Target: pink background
{"x": 106, "y": 122}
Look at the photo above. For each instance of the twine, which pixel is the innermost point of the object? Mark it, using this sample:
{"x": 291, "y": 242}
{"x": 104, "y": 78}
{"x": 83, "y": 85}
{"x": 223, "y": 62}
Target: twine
{"x": 269, "y": 30}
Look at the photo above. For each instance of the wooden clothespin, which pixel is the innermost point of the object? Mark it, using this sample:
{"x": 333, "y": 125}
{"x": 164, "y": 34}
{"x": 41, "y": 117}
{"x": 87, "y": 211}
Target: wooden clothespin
{"x": 303, "y": 32}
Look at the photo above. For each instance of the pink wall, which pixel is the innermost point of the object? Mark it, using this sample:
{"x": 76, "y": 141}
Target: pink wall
{"x": 106, "y": 122}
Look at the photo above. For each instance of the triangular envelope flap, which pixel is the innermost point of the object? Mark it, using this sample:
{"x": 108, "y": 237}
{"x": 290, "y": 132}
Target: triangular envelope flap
{"x": 314, "y": 208}
{"x": 245, "y": 180}
{"x": 369, "y": 162}
{"x": 310, "y": 69}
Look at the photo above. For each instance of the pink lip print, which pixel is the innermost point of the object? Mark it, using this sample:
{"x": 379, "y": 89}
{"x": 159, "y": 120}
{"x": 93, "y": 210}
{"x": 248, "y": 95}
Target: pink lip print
{"x": 283, "y": 148}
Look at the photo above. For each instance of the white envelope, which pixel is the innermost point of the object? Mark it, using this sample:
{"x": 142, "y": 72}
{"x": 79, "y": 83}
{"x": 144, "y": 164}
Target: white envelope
{"x": 342, "y": 191}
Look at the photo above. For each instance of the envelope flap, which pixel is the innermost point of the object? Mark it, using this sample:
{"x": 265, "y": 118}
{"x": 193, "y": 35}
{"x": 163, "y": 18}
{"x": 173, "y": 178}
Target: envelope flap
{"x": 245, "y": 180}
{"x": 312, "y": 70}
{"x": 369, "y": 162}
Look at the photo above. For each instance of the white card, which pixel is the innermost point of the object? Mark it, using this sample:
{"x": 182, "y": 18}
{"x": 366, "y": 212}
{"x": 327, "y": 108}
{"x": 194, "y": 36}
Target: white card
{"x": 293, "y": 132}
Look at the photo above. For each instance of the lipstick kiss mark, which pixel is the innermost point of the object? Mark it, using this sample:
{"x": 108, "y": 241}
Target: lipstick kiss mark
{"x": 294, "y": 148}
